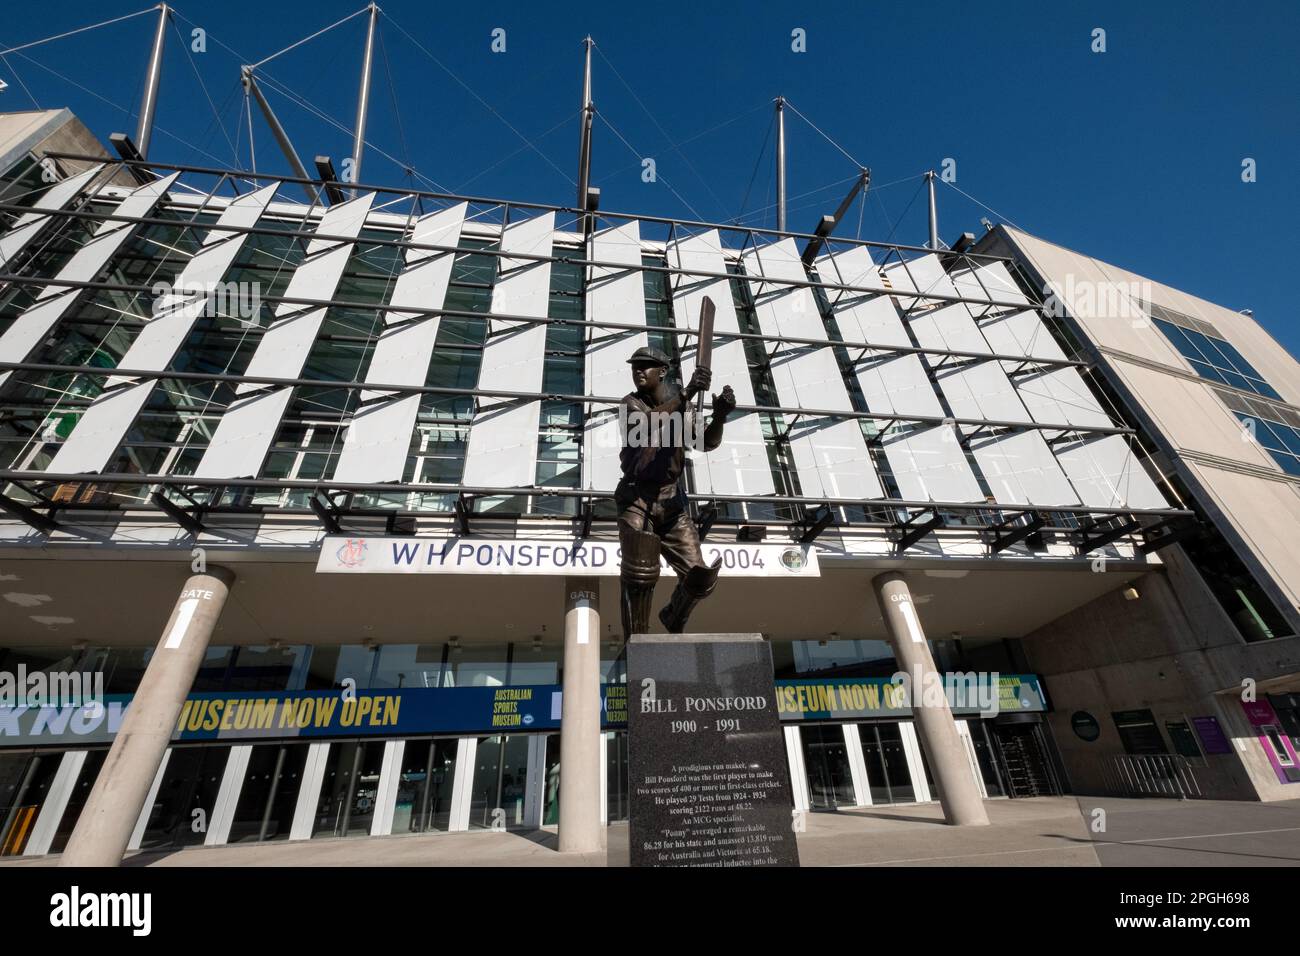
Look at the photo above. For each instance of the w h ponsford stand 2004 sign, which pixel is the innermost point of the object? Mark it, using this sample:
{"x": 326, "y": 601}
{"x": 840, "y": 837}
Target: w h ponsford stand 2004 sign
{"x": 708, "y": 783}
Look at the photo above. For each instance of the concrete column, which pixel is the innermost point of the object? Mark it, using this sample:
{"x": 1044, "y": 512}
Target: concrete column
{"x": 117, "y": 799}
{"x": 580, "y": 829}
{"x": 958, "y": 792}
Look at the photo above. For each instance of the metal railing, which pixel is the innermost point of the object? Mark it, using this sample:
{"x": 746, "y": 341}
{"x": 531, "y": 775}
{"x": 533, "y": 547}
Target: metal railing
{"x": 1151, "y": 775}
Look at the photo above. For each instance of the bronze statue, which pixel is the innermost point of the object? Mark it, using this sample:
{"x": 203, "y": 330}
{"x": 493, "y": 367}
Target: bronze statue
{"x": 659, "y": 422}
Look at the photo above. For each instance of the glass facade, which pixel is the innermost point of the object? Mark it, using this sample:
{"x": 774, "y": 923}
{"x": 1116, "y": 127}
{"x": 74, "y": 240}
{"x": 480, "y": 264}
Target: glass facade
{"x": 1212, "y": 357}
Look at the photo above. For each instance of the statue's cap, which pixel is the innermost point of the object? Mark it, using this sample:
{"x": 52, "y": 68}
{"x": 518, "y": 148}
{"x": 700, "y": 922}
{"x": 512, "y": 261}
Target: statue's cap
{"x": 648, "y": 355}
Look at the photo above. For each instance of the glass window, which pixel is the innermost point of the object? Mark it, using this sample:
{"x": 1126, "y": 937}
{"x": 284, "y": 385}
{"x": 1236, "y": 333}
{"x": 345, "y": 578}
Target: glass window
{"x": 187, "y": 795}
{"x": 25, "y": 780}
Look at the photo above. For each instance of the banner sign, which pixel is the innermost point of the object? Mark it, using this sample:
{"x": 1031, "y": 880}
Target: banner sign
{"x": 316, "y": 714}
{"x": 416, "y": 711}
{"x": 557, "y": 556}
{"x": 872, "y": 697}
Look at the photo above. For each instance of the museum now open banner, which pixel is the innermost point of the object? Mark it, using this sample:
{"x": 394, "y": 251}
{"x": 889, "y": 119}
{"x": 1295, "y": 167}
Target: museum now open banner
{"x": 413, "y": 711}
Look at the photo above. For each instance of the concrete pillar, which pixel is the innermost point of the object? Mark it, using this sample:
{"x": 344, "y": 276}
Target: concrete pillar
{"x": 580, "y": 828}
{"x": 958, "y": 792}
{"x": 117, "y": 799}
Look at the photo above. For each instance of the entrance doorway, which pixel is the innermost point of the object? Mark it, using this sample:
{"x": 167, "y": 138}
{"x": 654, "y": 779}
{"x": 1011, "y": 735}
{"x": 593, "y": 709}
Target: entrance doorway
{"x": 1026, "y": 766}
{"x": 826, "y": 759}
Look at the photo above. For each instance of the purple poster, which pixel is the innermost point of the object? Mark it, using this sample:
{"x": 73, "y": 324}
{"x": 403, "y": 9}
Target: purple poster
{"x": 1213, "y": 740}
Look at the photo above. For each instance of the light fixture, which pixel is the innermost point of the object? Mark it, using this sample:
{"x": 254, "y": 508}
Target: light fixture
{"x": 1131, "y": 594}
{"x": 537, "y": 643}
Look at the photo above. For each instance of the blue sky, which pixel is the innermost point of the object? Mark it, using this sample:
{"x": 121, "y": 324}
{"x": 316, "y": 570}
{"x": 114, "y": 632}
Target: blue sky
{"x": 1132, "y": 155}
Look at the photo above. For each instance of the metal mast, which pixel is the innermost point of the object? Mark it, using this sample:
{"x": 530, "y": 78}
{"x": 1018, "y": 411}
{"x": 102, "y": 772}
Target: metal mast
{"x": 145, "y": 129}
{"x": 780, "y": 164}
{"x": 934, "y": 214}
{"x": 363, "y": 98}
{"x": 281, "y": 137}
{"x": 584, "y": 145}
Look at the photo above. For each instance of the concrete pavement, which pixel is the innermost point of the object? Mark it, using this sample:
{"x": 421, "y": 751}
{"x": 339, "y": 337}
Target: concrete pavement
{"x": 1046, "y": 831}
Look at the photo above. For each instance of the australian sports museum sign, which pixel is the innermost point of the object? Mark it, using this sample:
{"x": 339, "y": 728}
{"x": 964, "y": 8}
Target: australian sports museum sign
{"x": 554, "y": 556}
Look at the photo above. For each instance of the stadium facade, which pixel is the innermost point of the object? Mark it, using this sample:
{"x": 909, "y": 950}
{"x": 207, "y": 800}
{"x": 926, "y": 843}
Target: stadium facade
{"x": 317, "y": 478}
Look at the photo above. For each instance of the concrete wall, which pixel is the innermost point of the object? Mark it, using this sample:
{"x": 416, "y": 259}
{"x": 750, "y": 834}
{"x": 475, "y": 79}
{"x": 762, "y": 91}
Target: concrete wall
{"x": 42, "y": 131}
{"x": 1173, "y": 651}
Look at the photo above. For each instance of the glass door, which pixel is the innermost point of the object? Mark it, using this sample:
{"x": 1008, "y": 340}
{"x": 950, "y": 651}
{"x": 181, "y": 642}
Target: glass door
{"x": 500, "y": 778}
{"x": 424, "y": 790}
{"x": 887, "y": 772}
{"x": 826, "y": 758}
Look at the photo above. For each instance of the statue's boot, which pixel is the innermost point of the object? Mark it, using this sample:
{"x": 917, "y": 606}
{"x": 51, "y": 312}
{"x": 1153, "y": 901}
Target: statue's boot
{"x": 639, "y": 574}
{"x": 692, "y": 588}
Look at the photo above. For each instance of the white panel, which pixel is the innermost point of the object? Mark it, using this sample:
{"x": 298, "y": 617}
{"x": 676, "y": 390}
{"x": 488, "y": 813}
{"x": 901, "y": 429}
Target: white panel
{"x": 741, "y": 466}
{"x": 376, "y": 443}
{"x": 142, "y": 821}
{"x": 794, "y": 760}
{"x": 963, "y": 732}
{"x": 390, "y": 774}
{"x": 1061, "y": 396}
{"x": 313, "y": 774}
{"x": 232, "y": 783}
{"x": 857, "y": 766}
{"x": 832, "y": 461}
{"x": 930, "y": 465}
{"x": 56, "y": 803}
{"x": 535, "y": 781}
{"x": 855, "y": 267}
{"x": 892, "y": 384}
{"x": 924, "y": 275}
{"x": 502, "y": 450}
{"x": 426, "y": 272}
{"x": 861, "y": 317}
{"x": 613, "y": 295}
{"x": 100, "y": 430}
{"x": 104, "y": 424}
{"x": 285, "y": 345}
{"x": 981, "y": 390}
{"x": 897, "y": 386}
{"x": 604, "y": 777}
{"x": 30, "y": 223}
{"x": 462, "y": 783}
{"x": 28, "y": 329}
{"x": 1020, "y": 469}
{"x": 830, "y": 456}
{"x": 1106, "y": 474}
{"x": 912, "y": 750}
{"x": 1022, "y": 332}
{"x": 948, "y": 327}
{"x": 246, "y": 430}
{"x": 991, "y": 281}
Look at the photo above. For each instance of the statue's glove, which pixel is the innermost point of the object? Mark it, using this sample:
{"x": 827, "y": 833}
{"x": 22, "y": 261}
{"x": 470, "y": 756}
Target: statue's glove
{"x": 700, "y": 380}
{"x": 725, "y": 403}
